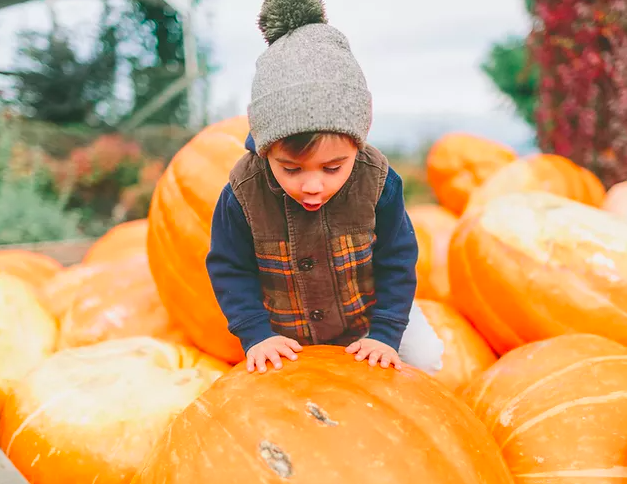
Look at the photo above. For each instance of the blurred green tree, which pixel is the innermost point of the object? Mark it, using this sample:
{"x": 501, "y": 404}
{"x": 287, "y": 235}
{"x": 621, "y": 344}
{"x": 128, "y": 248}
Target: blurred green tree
{"x": 511, "y": 69}
{"x": 137, "y": 44}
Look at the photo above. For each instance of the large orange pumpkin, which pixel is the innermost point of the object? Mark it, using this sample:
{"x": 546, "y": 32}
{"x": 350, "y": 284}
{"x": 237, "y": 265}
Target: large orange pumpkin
{"x": 124, "y": 239}
{"x": 466, "y": 353}
{"x": 543, "y": 172}
{"x": 28, "y": 333}
{"x": 117, "y": 303}
{"x": 326, "y": 418}
{"x": 179, "y": 237}
{"x": 434, "y": 227}
{"x": 528, "y": 266}
{"x": 59, "y": 292}
{"x": 616, "y": 200}
{"x": 558, "y": 409}
{"x": 237, "y": 126}
{"x": 458, "y": 163}
{"x": 91, "y": 414}
{"x": 33, "y": 267}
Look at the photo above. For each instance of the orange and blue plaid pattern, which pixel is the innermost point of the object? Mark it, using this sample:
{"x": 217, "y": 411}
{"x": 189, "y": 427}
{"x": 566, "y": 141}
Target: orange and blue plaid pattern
{"x": 352, "y": 259}
{"x": 281, "y": 297}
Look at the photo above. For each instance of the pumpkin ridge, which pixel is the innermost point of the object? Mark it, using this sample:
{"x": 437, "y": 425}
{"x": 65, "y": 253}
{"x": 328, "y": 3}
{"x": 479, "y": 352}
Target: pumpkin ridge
{"x": 478, "y": 295}
{"x": 204, "y": 225}
{"x": 166, "y": 258}
{"x": 538, "y": 383}
{"x": 507, "y": 249}
{"x": 558, "y": 409}
{"x": 611, "y": 472}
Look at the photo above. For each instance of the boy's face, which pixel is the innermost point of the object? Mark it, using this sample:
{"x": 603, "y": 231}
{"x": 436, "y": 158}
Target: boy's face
{"x": 314, "y": 178}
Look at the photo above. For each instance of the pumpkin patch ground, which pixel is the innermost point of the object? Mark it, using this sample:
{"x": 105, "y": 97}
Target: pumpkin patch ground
{"x": 120, "y": 368}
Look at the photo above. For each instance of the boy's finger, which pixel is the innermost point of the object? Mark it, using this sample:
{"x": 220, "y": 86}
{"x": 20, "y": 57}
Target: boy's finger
{"x": 362, "y": 353}
{"x": 396, "y": 361}
{"x": 287, "y": 352}
{"x": 385, "y": 361}
{"x": 260, "y": 360}
{"x": 374, "y": 357}
{"x": 273, "y": 356}
{"x": 293, "y": 344}
{"x": 351, "y": 348}
{"x": 250, "y": 363}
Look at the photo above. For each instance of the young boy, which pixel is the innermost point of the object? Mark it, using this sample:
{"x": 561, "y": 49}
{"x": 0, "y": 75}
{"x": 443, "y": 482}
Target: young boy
{"x": 310, "y": 240}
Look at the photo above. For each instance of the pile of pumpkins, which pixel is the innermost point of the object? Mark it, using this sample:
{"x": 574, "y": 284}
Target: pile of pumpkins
{"x": 120, "y": 369}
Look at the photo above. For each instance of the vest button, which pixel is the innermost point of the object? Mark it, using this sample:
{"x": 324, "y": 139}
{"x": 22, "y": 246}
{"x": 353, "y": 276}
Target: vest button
{"x": 305, "y": 264}
{"x": 317, "y": 315}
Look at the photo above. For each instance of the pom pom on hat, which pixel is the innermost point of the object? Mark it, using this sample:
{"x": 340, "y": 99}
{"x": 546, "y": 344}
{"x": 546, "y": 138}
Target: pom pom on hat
{"x": 279, "y": 17}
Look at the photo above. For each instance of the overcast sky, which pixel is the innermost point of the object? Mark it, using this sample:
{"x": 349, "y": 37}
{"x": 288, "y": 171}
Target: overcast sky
{"x": 421, "y": 58}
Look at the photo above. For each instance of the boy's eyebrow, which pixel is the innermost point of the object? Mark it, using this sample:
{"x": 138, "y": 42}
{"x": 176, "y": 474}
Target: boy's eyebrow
{"x": 334, "y": 160}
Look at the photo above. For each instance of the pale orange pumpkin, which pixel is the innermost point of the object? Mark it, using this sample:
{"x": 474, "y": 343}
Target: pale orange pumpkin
{"x": 179, "y": 238}
{"x": 528, "y": 266}
{"x": 616, "y": 200}
{"x": 458, "y": 163}
{"x": 434, "y": 226}
{"x": 28, "y": 333}
{"x": 236, "y": 126}
{"x": 119, "y": 302}
{"x": 543, "y": 172}
{"x": 326, "y": 418}
{"x": 466, "y": 353}
{"x": 91, "y": 414}
{"x": 32, "y": 267}
{"x": 558, "y": 409}
{"x": 124, "y": 239}
{"x": 58, "y": 293}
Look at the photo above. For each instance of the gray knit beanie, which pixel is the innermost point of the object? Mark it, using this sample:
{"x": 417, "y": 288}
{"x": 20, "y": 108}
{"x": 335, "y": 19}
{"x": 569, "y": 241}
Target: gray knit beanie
{"x": 307, "y": 80}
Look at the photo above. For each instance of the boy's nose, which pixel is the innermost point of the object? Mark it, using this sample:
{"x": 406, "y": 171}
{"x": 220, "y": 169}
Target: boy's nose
{"x": 312, "y": 186}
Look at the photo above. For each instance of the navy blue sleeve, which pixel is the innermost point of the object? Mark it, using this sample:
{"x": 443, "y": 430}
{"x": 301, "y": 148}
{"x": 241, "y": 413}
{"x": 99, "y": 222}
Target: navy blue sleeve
{"x": 232, "y": 268}
{"x": 394, "y": 260}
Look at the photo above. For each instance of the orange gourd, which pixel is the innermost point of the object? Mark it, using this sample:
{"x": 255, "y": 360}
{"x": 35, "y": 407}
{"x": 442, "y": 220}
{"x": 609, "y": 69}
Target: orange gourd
{"x": 124, "y": 239}
{"x": 434, "y": 227}
{"x": 28, "y": 333}
{"x": 58, "y": 293}
{"x": 119, "y": 302}
{"x": 616, "y": 200}
{"x": 558, "y": 409}
{"x": 326, "y": 418}
{"x": 528, "y": 266}
{"x": 91, "y": 414}
{"x": 466, "y": 353}
{"x": 458, "y": 163}
{"x": 236, "y": 126}
{"x": 32, "y": 267}
{"x": 179, "y": 237}
{"x": 544, "y": 172}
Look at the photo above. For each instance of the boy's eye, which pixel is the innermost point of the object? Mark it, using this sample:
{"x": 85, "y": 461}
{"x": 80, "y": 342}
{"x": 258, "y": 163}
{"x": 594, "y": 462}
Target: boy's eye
{"x": 332, "y": 169}
{"x": 291, "y": 171}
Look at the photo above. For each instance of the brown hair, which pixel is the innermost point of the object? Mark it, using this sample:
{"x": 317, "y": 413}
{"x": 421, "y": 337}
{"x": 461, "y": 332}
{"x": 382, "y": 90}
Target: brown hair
{"x": 303, "y": 143}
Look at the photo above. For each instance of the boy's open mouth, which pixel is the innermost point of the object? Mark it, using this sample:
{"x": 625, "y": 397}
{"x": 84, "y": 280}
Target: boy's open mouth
{"x": 312, "y": 206}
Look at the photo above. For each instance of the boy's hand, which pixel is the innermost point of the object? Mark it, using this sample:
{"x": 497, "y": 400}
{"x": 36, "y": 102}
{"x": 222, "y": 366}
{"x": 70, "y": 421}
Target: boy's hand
{"x": 375, "y": 351}
{"x": 271, "y": 349}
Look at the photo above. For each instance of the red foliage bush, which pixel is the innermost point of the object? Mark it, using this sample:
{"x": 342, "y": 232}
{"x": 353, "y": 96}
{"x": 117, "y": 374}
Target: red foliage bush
{"x": 581, "y": 50}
